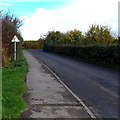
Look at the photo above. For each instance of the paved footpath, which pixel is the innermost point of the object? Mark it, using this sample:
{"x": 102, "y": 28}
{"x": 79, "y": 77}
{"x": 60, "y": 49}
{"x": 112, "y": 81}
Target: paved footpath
{"x": 46, "y": 96}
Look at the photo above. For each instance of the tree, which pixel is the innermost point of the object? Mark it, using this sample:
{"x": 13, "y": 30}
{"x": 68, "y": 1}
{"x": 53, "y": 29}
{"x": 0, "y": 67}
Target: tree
{"x": 10, "y": 27}
{"x": 75, "y": 36}
{"x": 99, "y": 35}
{"x": 56, "y": 38}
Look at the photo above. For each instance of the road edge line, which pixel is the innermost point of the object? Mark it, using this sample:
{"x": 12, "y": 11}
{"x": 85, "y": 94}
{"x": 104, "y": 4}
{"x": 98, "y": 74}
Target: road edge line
{"x": 69, "y": 90}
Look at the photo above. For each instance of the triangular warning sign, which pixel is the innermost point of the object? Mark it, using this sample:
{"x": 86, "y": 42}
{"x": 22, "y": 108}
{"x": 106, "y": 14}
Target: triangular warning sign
{"x": 15, "y": 39}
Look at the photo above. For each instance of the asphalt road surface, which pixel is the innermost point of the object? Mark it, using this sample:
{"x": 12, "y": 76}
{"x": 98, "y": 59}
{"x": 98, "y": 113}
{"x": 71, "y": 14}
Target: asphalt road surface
{"x": 96, "y": 86}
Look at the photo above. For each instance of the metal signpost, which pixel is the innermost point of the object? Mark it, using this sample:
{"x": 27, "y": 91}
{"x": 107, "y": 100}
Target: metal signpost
{"x": 15, "y": 40}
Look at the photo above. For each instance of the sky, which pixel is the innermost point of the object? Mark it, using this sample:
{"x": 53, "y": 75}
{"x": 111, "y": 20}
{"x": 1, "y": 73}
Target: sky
{"x": 41, "y": 16}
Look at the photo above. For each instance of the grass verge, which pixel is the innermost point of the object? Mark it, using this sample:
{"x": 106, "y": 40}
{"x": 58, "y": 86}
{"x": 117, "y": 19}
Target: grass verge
{"x": 13, "y": 88}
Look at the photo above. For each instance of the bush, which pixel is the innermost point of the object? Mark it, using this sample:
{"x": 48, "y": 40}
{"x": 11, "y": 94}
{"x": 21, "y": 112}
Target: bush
{"x": 10, "y": 27}
{"x": 32, "y": 44}
{"x": 106, "y": 55}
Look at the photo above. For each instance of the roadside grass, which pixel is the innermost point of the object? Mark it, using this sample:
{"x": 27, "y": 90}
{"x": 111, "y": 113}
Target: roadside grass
{"x": 13, "y": 88}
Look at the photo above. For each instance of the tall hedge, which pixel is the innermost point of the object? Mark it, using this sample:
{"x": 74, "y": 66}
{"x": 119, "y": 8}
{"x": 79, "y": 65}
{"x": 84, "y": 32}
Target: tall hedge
{"x": 32, "y": 44}
{"x": 107, "y": 55}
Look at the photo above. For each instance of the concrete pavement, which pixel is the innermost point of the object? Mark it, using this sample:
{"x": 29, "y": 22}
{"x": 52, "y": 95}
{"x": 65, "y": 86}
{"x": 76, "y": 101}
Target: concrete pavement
{"x": 46, "y": 96}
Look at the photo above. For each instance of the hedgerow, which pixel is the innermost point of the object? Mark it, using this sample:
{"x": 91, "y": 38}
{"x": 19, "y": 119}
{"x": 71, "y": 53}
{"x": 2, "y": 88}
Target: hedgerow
{"x": 32, "y": 44}
{"x": 97, "y": 45}
{"x": 106, "y": 55}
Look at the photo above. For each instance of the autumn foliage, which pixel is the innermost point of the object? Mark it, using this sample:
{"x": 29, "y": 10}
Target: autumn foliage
{"x": 97, "y": 45}
{"x": 32, "y": 45}
{"x": 10, "y": 27}
{"x": 96, "y": 35}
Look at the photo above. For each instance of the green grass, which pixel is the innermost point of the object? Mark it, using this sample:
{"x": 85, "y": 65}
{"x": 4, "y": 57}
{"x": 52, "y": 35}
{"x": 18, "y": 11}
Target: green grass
{"x": 13, "y": 88}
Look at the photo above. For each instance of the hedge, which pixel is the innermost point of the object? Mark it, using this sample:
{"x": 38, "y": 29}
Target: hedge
{"x": 107, "y": 55}
{"x": 32, "y": 44}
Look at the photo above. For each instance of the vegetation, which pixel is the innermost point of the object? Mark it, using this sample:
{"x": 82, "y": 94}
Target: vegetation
{"x": 97, "y": 45}
{"x": 103, "y": 55}
{"x": 99, "y": 35}
{"x": 75, "y": 37}
{"x": 33, "y": 44}
{"x": 13, "y": 72}
{"x": 13, "y": 88}
{"x": 96, "y": 35}
{"x": 55, "y": 37}
{"x": 10, "y": 27}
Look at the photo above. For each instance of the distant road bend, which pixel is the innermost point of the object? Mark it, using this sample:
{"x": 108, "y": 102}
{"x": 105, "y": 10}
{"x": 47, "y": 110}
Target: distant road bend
{"x": 96, "y": 86}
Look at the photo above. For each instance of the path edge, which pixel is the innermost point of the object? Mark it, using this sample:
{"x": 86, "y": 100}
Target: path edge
{"x": 91, "y": 114}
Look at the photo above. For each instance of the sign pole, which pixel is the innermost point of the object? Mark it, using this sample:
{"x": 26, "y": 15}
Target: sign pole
{"x": 15, "y": 51}
{"x": 15, "y": 40}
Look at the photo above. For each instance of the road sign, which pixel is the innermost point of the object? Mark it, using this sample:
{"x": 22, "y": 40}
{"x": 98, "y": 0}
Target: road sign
{"x": 15, "y": 40}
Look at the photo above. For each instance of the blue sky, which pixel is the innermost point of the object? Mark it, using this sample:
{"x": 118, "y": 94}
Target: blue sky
{"x": 28, "y": 8}
{"x": 41, "y": 16}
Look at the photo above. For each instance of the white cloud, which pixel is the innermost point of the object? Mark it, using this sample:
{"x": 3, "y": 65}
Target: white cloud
{"x": 1, "y": 3}
{"x": 80, "y": 14}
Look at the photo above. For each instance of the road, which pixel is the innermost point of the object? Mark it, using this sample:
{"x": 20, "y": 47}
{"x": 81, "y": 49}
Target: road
{"x": 96, "y": 86}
